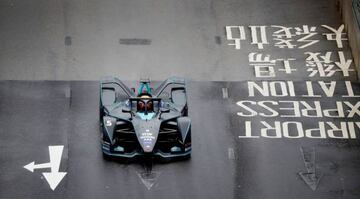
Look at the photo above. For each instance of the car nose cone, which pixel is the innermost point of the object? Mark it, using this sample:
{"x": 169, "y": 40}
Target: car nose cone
{"x": 147, "y": 133}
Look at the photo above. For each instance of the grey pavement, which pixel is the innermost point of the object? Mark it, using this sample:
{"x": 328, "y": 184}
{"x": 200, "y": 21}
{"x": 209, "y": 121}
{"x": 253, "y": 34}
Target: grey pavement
{"x": 80, "y": 40}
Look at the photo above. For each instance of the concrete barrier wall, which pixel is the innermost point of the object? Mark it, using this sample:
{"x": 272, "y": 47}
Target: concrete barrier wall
{"x": 353, "y": 30}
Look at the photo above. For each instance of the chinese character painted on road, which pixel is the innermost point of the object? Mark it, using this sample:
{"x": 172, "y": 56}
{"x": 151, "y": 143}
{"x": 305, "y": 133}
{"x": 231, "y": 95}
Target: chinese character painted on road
{"x": 287, "y": 68}
{"x": 323, "y": 66}
{"x": 238, "y": 30}
{"x": 258, "y": 36}
{"x": 286, "y": 38}
{"x": 306, "y": 32}
{"x": 283, "y": 36}
{"x": 336, "y": 35}
{"x": 298, "y": 37}
{"x": 264, "y": 66}
{"x": 258, "y": 31}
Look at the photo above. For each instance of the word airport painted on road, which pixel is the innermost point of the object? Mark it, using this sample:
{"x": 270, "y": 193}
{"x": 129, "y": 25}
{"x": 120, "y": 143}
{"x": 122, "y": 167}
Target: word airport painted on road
{"x": 296, "y": 129}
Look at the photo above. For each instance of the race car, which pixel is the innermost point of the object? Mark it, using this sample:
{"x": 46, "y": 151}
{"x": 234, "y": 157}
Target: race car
{"x": 146, "y": 122}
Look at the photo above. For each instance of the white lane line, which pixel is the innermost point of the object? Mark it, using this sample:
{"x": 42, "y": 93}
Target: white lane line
{"x": 231, "y": 154}
{"x": 68, "y": 92}
{"x": 225, "y": 93}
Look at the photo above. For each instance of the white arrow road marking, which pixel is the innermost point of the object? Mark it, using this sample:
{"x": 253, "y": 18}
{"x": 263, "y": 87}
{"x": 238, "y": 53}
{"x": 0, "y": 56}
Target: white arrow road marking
{"x": 54, "y": 177}
{"x": 148, "y": 178}
{"x": 33, "y": 166}
{"x": 310, "y": 177}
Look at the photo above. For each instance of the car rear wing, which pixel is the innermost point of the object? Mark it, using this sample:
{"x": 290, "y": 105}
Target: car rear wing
{"x": 113, "y": 82}
{"x": 172, "y": 80}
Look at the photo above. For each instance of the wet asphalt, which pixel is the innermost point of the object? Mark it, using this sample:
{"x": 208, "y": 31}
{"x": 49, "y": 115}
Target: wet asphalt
{"x": 38, "y": 114}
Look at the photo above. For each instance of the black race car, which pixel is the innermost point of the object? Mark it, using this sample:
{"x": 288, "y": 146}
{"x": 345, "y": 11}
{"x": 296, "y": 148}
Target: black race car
{"x": 146, "y": 122}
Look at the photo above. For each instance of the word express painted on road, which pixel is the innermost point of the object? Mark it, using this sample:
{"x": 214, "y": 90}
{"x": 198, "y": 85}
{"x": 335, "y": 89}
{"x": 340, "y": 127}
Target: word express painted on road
{"x": 298, "y": 37}
{"x": 308, "y": 109}
{"x": 298, "y": 109}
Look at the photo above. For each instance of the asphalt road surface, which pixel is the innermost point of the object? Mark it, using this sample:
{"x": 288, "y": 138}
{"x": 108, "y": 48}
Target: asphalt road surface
{"x": 88, "y": 39}
{"x": 38, "y": 114}
{"x": 291, "y": 134}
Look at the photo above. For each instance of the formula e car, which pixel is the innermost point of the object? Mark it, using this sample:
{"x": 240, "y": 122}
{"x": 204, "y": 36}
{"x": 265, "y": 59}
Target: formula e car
{"x": 146, "y": 122}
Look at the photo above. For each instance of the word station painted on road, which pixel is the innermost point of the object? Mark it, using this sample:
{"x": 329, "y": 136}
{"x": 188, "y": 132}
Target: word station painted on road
{"x": 326, "y": 109}
{"x": 54, "y": 177}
